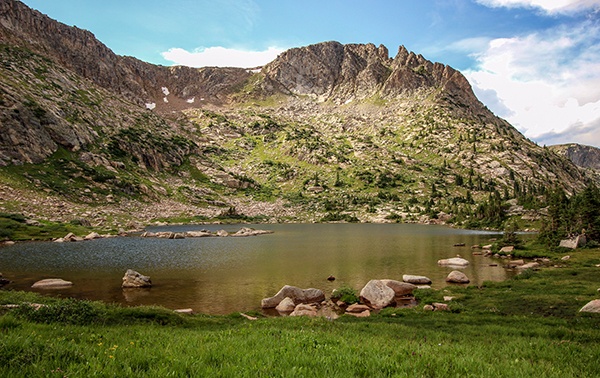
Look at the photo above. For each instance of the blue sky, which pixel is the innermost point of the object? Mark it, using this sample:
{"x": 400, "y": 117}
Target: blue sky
{"x": 535, "y": 63}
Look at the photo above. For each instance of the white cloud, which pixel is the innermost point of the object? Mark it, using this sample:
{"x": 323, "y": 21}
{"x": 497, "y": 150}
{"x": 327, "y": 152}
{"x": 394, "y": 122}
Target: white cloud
{"x": 221, "y": 57}
{"x": 544, "y": 83}
{"x": 548, "y": 6}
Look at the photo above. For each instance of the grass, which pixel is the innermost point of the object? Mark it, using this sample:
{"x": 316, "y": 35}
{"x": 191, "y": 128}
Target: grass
{"x": 524, "y": 327}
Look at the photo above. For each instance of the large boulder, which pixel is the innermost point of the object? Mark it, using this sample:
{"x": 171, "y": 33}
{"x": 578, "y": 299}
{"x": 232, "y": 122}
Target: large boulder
{"x": 52, "y": 283}
{"x": 457, "y": 277}
{"x": 133, "y": 279}
{"x": 296, "y": 294}
{"x": 416, "y": 280}
{"x": 377, "y": 294}
{"x": 455, "y": 261}
{"x": 577, "y": 241}
{"x": 400, "y": 288}
{"x": 592, "y": 306}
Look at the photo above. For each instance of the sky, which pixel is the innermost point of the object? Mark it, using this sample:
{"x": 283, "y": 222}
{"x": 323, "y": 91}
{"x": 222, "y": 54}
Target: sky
{"x": 535, "y": 63}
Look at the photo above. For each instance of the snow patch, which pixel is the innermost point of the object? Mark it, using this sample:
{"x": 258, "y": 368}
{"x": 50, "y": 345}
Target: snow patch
{"x": 150, "y": 105}
{"x": 165, "y": 91}
{"x": 166, "y": 100}
{"x": 254, "y": 70}
{"x": 190, "y": 100}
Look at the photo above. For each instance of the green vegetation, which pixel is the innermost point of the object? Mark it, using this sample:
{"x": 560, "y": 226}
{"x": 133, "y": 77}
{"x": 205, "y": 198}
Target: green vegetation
{"x": 527, "y": 327}
{"x": 14, "y": 227}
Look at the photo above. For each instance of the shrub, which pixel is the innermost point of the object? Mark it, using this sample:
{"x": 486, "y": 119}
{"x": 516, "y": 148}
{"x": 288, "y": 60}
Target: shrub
{"x": 345, "y": 294}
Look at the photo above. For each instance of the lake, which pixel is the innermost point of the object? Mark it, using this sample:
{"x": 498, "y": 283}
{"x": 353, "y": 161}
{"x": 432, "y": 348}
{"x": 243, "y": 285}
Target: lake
{"x": 225, "y": 275}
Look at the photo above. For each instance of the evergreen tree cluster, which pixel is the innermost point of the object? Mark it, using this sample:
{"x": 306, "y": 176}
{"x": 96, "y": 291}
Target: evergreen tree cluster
{"x": 570, "y": 216}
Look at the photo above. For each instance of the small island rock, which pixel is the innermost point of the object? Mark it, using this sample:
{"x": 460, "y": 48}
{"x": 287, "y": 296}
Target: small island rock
{"x": 457, "y": 277}
{"x": 133, "y": 279}
{"x": 455, "y": 261}
{"x": 416, "y": 280}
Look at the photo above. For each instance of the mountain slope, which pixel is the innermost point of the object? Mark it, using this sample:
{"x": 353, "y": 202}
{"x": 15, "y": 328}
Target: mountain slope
{"x": 324, "y": 132}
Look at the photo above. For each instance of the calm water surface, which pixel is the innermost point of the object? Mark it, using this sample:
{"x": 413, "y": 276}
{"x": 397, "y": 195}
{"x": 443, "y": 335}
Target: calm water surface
{"x": 224, "y": 275}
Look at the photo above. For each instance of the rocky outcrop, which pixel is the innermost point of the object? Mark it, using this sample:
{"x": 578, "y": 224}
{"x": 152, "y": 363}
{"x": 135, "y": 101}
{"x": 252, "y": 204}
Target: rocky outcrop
{"x": 343, "y": 73}
{"x": 52, "y": 283}
{"x": 581, "y": 155}
{"x": 296, "y": 294}
{"x": 573, "y": 243}
{"x": 133, "y": 279}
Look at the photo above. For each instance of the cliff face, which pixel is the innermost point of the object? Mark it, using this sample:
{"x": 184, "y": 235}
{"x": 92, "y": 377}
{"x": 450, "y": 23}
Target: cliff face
{"x": 580, "y": 155}
{"x": 343, "y": 73}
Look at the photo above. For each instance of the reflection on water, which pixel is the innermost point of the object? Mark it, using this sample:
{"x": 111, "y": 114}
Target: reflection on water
{"x": 224, "y": 275}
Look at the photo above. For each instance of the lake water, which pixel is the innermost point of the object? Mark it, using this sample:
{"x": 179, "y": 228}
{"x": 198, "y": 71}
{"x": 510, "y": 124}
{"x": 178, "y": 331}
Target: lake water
{"x": 225, "y": 275}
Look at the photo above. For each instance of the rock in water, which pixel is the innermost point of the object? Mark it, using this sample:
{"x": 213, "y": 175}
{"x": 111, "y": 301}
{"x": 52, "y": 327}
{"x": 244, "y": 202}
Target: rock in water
{"x": 457, "y": 277}
{"x": 135, "y": 279}
{"x": 52, "y": 283}
{"x": 416, "y": 280}
{"x": 377, "y": 294}
{"x": 455, "y": 261}
{"x": 296, "y": 294}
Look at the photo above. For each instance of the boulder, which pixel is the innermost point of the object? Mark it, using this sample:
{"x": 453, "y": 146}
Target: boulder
{"x": 416, "y": 280}
{"x": 572, "y": 243}
{"x": 52, "y": 283}
{"x": 377, "y": 294}
{"x": 507, "y": 249}
{"x": 247, "y": 231}
{"x": 92, "y": 235}
{"x": 357, "y": 308}
{"x": 400, "y": 288}
{"x": 304, "y": 310}
{"x": 457, "y": 277}
{"x": 515, "y": 263}
{"x": 440, "y": 307}
{"x": 455, "y": 261}
{"x": 530, "y": 265}
{"x": 592, "y": 306}
{"x": 296, "y": 294}
{"x": 187, "y": 311}
{"x": 222, "y": 233}
{"x": 364, "y": 314}
{"x": 133, "y": 279}
{"x": 198, "y": 234}
{"x": 286, "y": 305}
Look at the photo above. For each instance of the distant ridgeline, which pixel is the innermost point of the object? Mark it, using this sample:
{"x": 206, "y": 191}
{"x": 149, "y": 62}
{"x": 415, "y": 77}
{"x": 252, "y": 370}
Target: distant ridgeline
{"x": 327, "y": 132}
